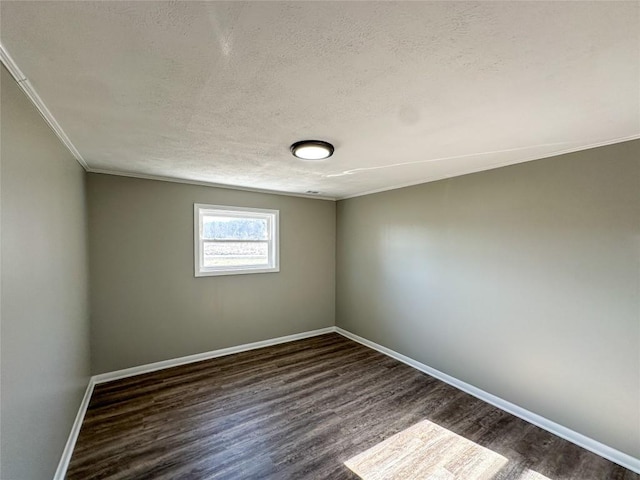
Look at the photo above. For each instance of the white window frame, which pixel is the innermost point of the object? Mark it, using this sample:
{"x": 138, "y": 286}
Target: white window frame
{"x": 273, "y": 222}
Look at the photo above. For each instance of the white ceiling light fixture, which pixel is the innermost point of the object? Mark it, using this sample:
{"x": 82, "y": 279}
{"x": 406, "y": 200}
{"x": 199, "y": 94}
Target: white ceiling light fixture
{"x": 312, "y": 149}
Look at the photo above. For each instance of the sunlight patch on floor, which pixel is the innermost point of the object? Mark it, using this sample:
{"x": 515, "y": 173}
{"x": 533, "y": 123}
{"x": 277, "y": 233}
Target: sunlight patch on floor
{"x": 531, "y": 475}
{"x": 427, "y": 451}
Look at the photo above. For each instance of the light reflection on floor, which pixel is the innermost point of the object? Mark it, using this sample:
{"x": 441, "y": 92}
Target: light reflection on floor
{"x": 531, "y": 475}
{"x": 428, "y": 451}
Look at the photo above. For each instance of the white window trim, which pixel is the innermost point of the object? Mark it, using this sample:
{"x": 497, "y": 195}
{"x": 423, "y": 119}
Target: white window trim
{"x": 274, "y": 240}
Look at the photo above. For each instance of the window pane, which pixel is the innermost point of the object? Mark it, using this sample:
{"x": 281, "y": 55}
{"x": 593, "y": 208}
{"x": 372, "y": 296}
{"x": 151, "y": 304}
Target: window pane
{"x": 234, "y": 240}
{"x": 234, "y": 254}
{"x": 227, "y": 228}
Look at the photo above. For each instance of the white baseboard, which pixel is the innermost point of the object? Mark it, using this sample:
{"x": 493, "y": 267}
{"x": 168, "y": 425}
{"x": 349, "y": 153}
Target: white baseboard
{"x": 616, "y": 456}
{"x": 63, "y": 465}
{"x": 61, "y": 471}
{"x": 594, "y": 446}
{"x": 152, "y": 367}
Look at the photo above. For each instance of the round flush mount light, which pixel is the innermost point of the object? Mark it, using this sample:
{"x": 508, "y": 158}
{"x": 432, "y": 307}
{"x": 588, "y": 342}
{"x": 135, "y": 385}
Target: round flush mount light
{"x": 312, "y": 149}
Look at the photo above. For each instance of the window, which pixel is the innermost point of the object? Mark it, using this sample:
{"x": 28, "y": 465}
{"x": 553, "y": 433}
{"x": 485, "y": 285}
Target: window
{"x": 234, "y": 240}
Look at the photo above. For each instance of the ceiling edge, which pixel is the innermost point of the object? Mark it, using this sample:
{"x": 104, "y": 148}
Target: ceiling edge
{"x": 31, "y": 93}
{"x": 24, "y": 84}
{"x": 200, "y": 183}
{"x": 494, "y": 166}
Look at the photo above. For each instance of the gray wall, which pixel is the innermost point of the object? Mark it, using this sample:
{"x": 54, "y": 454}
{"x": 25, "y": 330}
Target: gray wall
{"x": 146, "y": 304}
{"x": 44, "y": 315}
{"x": 523, "y": 281}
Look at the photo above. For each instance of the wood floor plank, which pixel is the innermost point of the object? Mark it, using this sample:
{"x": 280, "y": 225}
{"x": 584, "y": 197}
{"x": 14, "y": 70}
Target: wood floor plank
{"x": 300, "y": 411}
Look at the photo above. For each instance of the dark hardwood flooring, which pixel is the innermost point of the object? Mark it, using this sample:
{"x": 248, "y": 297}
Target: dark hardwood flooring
{"x": 299, "y": 411}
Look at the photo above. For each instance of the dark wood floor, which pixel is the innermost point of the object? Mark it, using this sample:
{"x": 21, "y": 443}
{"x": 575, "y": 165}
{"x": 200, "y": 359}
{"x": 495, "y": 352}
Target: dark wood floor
{"x": 299, "y": 411}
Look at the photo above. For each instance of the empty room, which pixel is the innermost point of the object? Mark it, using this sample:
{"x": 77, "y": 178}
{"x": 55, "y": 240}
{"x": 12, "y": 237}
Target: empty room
{"x": 320, "y": 240}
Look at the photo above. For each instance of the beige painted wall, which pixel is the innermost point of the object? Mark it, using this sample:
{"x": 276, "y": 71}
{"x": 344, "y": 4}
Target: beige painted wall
{"x": 146, "y": 304}
{"x": 523, "y": 281}
{"x": 44, "y": 316}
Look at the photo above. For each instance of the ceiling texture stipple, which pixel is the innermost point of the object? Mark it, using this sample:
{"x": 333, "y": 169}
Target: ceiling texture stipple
{"x": 407, "y": 92}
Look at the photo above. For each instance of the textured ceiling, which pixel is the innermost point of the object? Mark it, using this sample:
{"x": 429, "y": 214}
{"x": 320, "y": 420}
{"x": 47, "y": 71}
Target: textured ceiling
{"x": 407, "y": 92}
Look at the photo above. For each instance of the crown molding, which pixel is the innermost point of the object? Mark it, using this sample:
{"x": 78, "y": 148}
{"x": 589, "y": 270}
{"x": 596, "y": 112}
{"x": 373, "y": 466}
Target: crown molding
{"x": 201, "y": 183}
{"x": 30, "y": 92}
{"x": 603, "y": 143}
